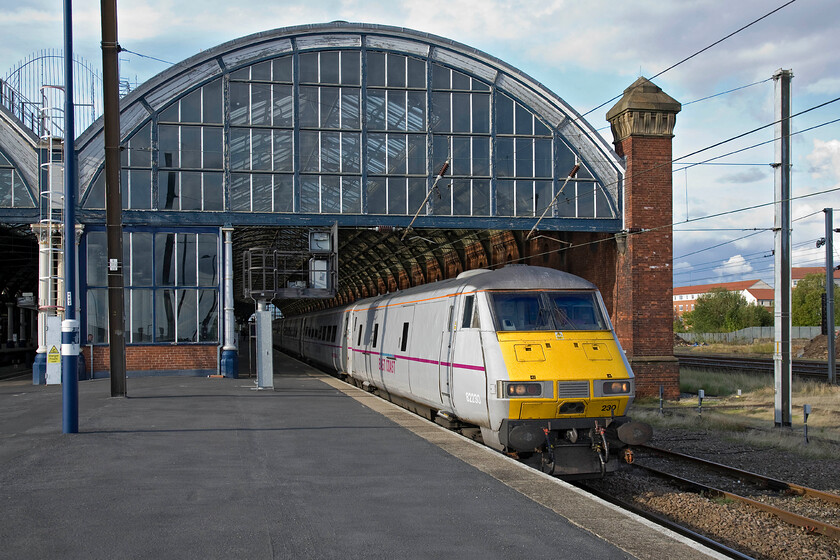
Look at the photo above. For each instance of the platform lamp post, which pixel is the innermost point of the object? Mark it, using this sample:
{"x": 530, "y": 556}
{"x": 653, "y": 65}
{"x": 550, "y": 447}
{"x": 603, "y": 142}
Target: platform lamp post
{"x": 70, "y": 325}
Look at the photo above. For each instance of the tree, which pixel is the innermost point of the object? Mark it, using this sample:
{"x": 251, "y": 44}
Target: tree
{"x": 720, "y": 310}
{"x": 806, "y": 301}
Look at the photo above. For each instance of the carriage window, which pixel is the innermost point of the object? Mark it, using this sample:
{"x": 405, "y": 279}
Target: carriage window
{"x": 359, "y": 342}
{"x": 404, "y": 339}
{"x": 468, "y": 312}
{"x": 375, "y": 334}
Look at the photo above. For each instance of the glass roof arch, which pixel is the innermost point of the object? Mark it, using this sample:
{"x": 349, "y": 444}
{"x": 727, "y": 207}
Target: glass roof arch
{"x": 351, "y": 123}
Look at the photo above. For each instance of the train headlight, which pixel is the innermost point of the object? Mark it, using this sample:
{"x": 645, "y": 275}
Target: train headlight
{"x": 523, "y": 390}
{"x": 617, "y": 388}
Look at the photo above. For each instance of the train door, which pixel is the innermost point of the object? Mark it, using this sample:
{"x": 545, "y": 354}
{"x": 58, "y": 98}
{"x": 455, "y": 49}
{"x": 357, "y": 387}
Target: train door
{"x": 345, "y": 342}
{"x": 445, "y": 361}
{"x": 469, "y": 377}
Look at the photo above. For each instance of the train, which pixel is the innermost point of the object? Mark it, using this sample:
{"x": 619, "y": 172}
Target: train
{"x": 522, "y": 358}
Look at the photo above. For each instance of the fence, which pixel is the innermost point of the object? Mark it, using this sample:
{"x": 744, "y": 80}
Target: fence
{"x": 749, "y": 334}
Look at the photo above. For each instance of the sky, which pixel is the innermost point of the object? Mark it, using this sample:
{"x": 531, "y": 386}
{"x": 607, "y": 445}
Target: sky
{"x": 587, "y": 53}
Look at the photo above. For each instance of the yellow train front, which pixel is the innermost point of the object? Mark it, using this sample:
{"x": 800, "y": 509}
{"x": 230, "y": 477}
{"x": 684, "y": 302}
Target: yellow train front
{"x": 560, "y": 384}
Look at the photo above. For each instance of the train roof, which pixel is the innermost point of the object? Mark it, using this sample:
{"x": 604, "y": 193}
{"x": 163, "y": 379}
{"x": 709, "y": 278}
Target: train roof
{"x": 521, "y": 276}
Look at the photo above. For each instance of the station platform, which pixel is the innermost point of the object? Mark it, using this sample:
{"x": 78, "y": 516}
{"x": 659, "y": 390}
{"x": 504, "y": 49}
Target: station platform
{"x": 188, "y": 467}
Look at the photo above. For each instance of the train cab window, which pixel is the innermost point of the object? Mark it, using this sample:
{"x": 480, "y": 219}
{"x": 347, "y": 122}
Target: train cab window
{"x": 375, "y": 334}
{"x": 404, "y": 339}
{"x": 562, "y": 311}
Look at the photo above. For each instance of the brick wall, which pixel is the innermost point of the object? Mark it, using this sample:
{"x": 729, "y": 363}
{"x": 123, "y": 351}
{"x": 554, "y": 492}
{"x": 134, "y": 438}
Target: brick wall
{"x": 156, "y": 358}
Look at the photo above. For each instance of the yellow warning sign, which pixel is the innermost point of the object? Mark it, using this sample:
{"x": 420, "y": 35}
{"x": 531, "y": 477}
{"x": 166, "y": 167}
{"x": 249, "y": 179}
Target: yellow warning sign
{"x": 53, "y": 357}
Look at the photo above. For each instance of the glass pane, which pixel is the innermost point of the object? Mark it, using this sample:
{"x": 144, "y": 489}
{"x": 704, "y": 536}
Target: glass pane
{"x": 602, "y": 204}
{"x": 565, "y": 160}
{"x": 481, "y": 198}
{"x": 330, "y": 194}
{"x": 170, "y": 114}
{"x": 213, "y": 194}
{"x": 524, "y": 120}
{"x": 241, "y": 74}
{"x": 190, "y": 197}
{"x": 504, "y": 198}
{"x": 461, "y": 156}
{"x": 440, "y": 152}
{"x": 350, "y": 154}
{"x": 460, "y": 81}
{"x": 240, "y": 100}
{"x": 481, "y": 113}
{"x": 351, "y": 195}
{"x": 96, "y": 195}
{"x": 97, "y": 316}
{"x": 140, "y": 183}
{"x": 168, "y": 190}
{"x": 212, "y": 109}
{"x": 21, "y": 198}
{"x": 261, "y": 149}
{"x": 416, "y": 73}
{"x": 442, "y": 200}
{"x": 284, "y": 197}
{"x": 309, "y": 68}
{"x": 376, "y": 196}
{"x": 168, "y": 146}
{"x": 240, "y": 149}
{"x": 208, "y": 316}
{"x": 504, "y": 157}
{"x": 396, "y": 70}
{"x": 440, "y": 77}
{"x": 165, "y": 316}
{"x": 461, "y": 112}
{"x": 186, "y": 259}
{"x": 441, "y": 112}
{"x": 542, "y": 197}
{"x": 416, "y": 194}
{"x": 396, "y": 154}
{"x": 125, "y": 188}
{"x": 376, "y": 68}
{"x": 586, "y": 199}
{"x": 140, "y": 148}
{"x": 542, "y": 158}
{"x": 126, "y": 251}
{"x": 524, "y": 157}
{"x": 308, "y": 106}
{"x": 330, "y": 114}
{"x": 416, "y": 154}
{"x": 309, "y": 151}
{"x": 504, "y": 114}
{"x": 417, "y": 111}
{"x": 261, "y": 104}
{"x": 350, "y": 72}
{"x": 524, "y": 198}
{"x": 261, "y": 71}
{"x": 397, "y": 196}
{"x": 283, "y": 106}
{"x": 141, "y": 259}
{"x": 208, "y": 261}
{"x": 187, "y": 318}
{"x": 461, "y": 197}
{"x": 212, "y": 151}
{"x": 376, "y": 109}
{"x": 165, "y": 259}
{"x": 540, "y": 129}
{"x": 329, "y": 67}
{"x": 566, "y": 206}
{"x": 283, "y": 153}
{"x": 142, "y": 313}
{"x": 6, "y": 187}
{"x": 240, "y": 192}
{"x": 481, "y": 156}
{"x": 331, "y": 152}
{"x": 310, "y": 194}
{"x": 97, "y": 259}
{"x": 376, "y": 153}
{"x": 396, "y": 110}
{"x": 282, "y": 69}
{"x": 350, "y": 108}
{"x": 261, "y": 185}
{"x": 191, "y": 147}
{"x": 191, "y": 107}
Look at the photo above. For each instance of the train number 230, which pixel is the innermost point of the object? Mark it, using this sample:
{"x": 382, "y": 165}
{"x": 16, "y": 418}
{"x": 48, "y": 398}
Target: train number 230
{"x": 608, "y": 408}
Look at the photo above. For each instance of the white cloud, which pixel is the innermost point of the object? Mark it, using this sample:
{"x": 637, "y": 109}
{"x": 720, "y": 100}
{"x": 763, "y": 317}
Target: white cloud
{"x": 734, "y": 266}
{"x": 825, "y": 159}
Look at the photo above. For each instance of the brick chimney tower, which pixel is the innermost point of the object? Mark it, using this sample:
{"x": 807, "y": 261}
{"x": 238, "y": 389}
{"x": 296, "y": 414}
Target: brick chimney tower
{"x": 642, "y": 124}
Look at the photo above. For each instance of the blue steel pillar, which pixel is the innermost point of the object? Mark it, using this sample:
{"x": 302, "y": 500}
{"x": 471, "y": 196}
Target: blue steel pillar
{"x": 70, "y": 326}
{"x": 229, "y": 364}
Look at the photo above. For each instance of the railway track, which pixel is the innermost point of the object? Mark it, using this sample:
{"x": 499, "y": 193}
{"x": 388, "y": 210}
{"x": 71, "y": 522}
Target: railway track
{"x": 787, "y": 501}
{"x": 802, "y": 368}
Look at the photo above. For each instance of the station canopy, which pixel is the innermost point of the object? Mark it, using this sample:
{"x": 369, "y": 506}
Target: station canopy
{"x": 349, "y": 124}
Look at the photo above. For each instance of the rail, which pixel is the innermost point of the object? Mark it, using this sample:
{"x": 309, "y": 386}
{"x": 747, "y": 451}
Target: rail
{"x": 802, "y": 368}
